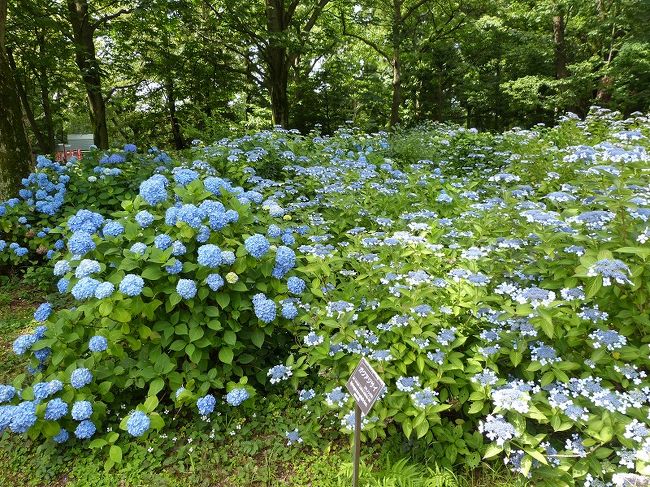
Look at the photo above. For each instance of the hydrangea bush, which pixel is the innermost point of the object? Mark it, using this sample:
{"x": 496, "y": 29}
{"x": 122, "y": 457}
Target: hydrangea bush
{"x": 30, "y": 222}
{"x": 181, "y": 296}
{"x": 497, "y": 283}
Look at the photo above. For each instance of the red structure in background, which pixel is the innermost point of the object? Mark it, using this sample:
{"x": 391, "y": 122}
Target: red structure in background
{"x": 65, "y": 155}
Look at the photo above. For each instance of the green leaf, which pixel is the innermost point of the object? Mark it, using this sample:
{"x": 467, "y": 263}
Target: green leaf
{"x": 115, "y": 453}
{"x": 151, "y": 403}
{"x": 156, "y": 386}
{"x": 223, "y": 299}
{"x": 257, "y": 337}
{"x": 492, "y": 450}
{"x": 226, "y": 355}
{"x": 230, "y": 337}
{"x": 196, "y": 333}
{"x": 152, "y": 273}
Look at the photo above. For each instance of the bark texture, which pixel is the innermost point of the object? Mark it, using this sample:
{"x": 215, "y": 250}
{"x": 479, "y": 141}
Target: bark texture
{"x": 83, "y": 33}
{"x": 15, "y": 151}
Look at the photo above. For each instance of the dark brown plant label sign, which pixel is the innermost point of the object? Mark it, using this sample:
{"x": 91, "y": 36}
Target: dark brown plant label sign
{"x": 365, "y": 385}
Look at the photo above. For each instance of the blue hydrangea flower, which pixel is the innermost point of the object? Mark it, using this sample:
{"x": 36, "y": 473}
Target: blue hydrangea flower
{"x": 62, "y": 285}
{"x": 85, "y": 288}
{"x": 43, "y": 312}
{"x": 274, "y": 231}
{"x": 98, "y": 343}
{"x": 206, "y": 404}
{"x": 189, "y": 214}
{"x": 209, "y": 256}
{"x": 175, "y": 268}
{"x": 203, "y": 235}
{"x": 296, "y": 285}
{"x": 42, "y": 354}
{"x": 130, "y": 148}
{"x": 289, "y": 310}
{"x": 306, "y": 395}
{"x": 214, "y": 281}
{"x": 154, "y": 189}
{"x": 138, "y": 423}
{"x": 162, "y": 241}
{"x": 61, "y": 437}
{"x": 279, "y": 373}
{"x": 23, "y": 343}
{"x": 42, "y": 390}
{"x": 80, "y": 377}
{"x": 80, "y": 243}
{"x": 144, "y": 218}
{"x": 23, "y": 417}
{"x": 237, "y": 396}
{"x": 178, "y": 248}
{"x": 7, "y": 393}
{"x": 55, "y": 409}
{"x": 85, "y": 221}
{"x": 6, "y": 413}
{"x": 113, "y": 229}
{"x": 87, "y": 267}
{"x": 131, "y": 285}
{"x": 104, "y": 290}
{"x": 138, "y": 248}
{"x": 186, "y": 288}
{"x": 285, "y": 260}
{"x": 228, "y": 257}
{"x": 85, "y": 430}
{"x": 81, "y": 410}
{"x": 257, "y": 245}
{"x": 184, "y": 176}
{"x": 264, "y": 308}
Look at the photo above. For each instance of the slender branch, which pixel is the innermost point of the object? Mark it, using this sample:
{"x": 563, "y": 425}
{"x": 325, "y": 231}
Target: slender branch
{"x": 410, "y": 11}
{"x": 365, "y": 41}
{"x": 115, "y": 89}
{"x": 107, "y": 18}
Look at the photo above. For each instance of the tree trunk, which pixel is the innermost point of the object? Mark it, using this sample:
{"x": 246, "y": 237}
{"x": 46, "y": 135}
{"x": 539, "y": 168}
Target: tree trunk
{"x": 85, "y": 56}
{"x": 279, "y": 81}
{"x": 179, "y": 143}
{"x": 278, "y": 62}
{"x": 41, "y": 138}
{"x": 560, "y": 46}
{"x": 15, "y": 151}
{"x": 44, "y": 83}
{"x": 396, "y": 63}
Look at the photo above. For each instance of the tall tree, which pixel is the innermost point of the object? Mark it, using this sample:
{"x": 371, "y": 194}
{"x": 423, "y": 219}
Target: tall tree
{"x": 15, "y": 151}
{"x": 276, "y": 32}
{"x": 387, "y": 25}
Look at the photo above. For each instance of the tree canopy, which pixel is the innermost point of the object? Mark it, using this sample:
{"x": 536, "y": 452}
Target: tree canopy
{"x": 169, "y": 71}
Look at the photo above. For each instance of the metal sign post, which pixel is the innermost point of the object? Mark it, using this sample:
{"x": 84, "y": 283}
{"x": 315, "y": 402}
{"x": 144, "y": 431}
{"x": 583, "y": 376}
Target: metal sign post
{"x": 365, "y": 386}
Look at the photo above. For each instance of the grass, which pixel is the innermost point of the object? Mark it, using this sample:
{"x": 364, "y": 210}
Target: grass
{"x": 248, "y": 451}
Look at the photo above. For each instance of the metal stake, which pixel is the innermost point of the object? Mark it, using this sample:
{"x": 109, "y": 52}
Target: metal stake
{"x": 357, "y": 444}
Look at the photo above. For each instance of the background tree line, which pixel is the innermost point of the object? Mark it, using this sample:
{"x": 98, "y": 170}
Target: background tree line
{"x": 168, "y": 71}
